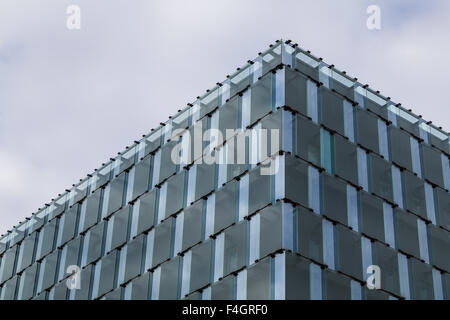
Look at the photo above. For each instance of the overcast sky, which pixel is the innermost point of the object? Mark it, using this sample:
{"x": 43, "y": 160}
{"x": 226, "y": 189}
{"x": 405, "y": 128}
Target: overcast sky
{"x": 71, "y": 99}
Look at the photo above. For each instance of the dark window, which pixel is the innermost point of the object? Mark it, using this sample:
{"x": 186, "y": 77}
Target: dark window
{"x": 117, "y": 228}
{"x": 345, "y": 158}
{"x": 26, "y": 252}
{"x": 223, "y": 289}
{"x": 334, "y": 198}
{"x": 163, "y": 237}
{"x": 115, "y": 194}
{"x": 296, "y": 91}
{"x": 296, "y": 176}
{"x": 67, "y": 225}
{"x": 261, "y": 98}
{"x": 27, "y": 281}
{"x": 380, "y": 177}
{"x": 69, "y": 256}
{"x": 258, "y": 280}
{"x": 90, "y": 210}
{"x": 60, "y": 291}
{"x": 47, "y": 271}
{"x": 271, "y": 232}
{"x": 372, "y": 218}
{"x": 386, "y": 258}
{"x": 141, "y": 177}
{"x": 432, "y": 165}
{"x": 259, "y": 194}
{"x": 422, "y": 280}
{"x": 92, "y": 249}
{"x": 46, "y": 239}
{"x": 145, "y": 206}
{"x": 175, "y": 193}
{"x": 407, "y": 236}
{"x": 192, "y": 225}
{"x": 442, "y": 207}
{"x": 308, "y": 140}
{"x": 204, "y": 182}
{"x": 297, "y": 278}
{"x": 225, "y": 206}
{"x": 133, "y": 261}
{"x": 106, "y": 274}
{"x": 414, "y": 194}
{"x": 337, "y": 286}
{"x": 348, "y": 252}
{"x": 439, "y": 242}
{"x": 400, "y": 148}
{"x": 367, "y": 130}
{"x": 235, "y": 247}
{"x": 85, "y": 278}
{"x": 140, "y": 287}
{"x": 228, "y": 116}
{"x": 201, "y": 265}
{"x": 167, "y": 166}
{"x": 310, "y": 237}
{"x": 168, "y": 287}
{"x": 332, "y": 110}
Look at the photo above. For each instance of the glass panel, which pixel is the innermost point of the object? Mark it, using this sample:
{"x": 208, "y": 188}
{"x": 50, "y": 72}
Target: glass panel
{"x": 432, "y": 165}
{"x": 169, "y": 282}
{"x": 239, "y": 81}
{"x": 113, "y": 195}
{"x": 407, "y": 238}
{"x": 296, "y": 180}
{"x": 271, "y": 230}
{"x": 259, "y": 190}
{"x": 296, "y": 91}
{"x": 9, "y": 289}
{"x": 101, "y": 176}
{"x": 345, "y": 157}
{"x": 223, "y": 289}
{"x": 443, "y": 207}
{"x": 400, "y": 148}
{"x": 163, "y": 241}
{"x": 117, "y": 229}
{"x": 386, "y": 259}
{"x": 85, "y": 285}
{"x": 308, "y": 140}
{"x": 204, "y": 181}
{"x": 337, "y": 286}
{"x": 380, "y": 177}
{"x": 27, "y": 281}
{"x": 209, "y": 102}
{"x": 309, "y": 235}
{"x": 259, "y": 280}
{"x": 439, "y": 242}
{"x": 307, "y": 65}
{"x": 68, "y": 225}
{"x": 192, "y": 225}
{"x": 414, "y": 194}
{"x": 332, "y": 110}
{"x": 349, "y": 252}
{"x": 78, "y": 192}
{"x": 297, "y": 278}
{"x": 139, "y": 178}
{"x": 235, "y": 247}
{"x": 167, "y": 166}
{"x": 225, "y": 206}
{"x": 140, "y": 287}
{"x": 367, "y": 130}
{"x": 229, "y": 116}
{"x": 26, "y": 253}
{"x": 201, "y": 266}
{"x": 261, "y": 98}
{"x": 150, "y": 143}
{"x": 7, "y": 264}
{"x": 69, "y": 256}
{"x": 90, "y": 210}
{"x": 92, "y": 246}
{"x": 46, "y": 239}
{"x": 175, "y": 193}
{"x": 105, "y": 271}
{"x": 144, "y": 210}
{"x": 47, "y": 271}
{"x": 334, "y": 198}
{"x": 421, "y": 280}
{"x": 132, "y": 257}
{"x": 371, "y": 212}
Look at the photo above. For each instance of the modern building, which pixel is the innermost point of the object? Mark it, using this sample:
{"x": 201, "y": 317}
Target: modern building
{"x": 341, "y": 182}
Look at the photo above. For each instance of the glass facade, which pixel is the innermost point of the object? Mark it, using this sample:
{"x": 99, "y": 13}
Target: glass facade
{"x": 322, "y": 178}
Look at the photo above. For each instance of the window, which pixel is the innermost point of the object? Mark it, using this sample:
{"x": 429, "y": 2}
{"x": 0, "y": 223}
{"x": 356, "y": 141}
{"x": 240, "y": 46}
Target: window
{"x": 9, "y": 289}
{"x": 192, "y": 225}
{"x": 69, "y": 257}
{"x": 46, "y": 238}
{"x": 337, "y": 286}
{"x": 439, "y": 242}
{"x": 225, "y": 206}
{"x": 47, "y": 271}
{"x": 380, "y": 177}
{"x": 223, "y": 289}
{"x": 90, "y": 210}
{"x": 26, "y": 252}
{"x": 139, "y": 288}
{"x": 117, "y": 229}
{"x": 85, "y": 278}
{"x": 204, "y": 181}
{"x": 139, "y": 178}
{"x": 235, "y": 247}
{"x": 296, "y": 188}
{"x": 367, "y": 130}
{"x": 332, "y": 110}
{"x": 296, "y": 91}
{"x": 105, "y": 271}
{"x": 131, "y": 259}
{"x": 201, "y": 265}
{"x": 421, "y": 280}
{"x": 414, "y": 194}
{"x": 209, "y": 102}
{"x": 68, "y": 225}
{"x": 144, "y": 210}
{"x": 163, "y": 241}
{"x": 27, "y": 281}
{"x": 432, "y": 165}
{"x": 345, "y": 159}
{"x": 229, "y": 116}
{"x": 407, "y": 236}
{"x": 259, "y": 280}
{"x": 113, "y": 195}
{"x": 167, "y": 166}
{"x": 175, "y": 193}
{"x": 259, "y": 190}
{"x": 349, "y": 252}
{"x": 297, "y": 282}
{"x": 386, "y": 258}
{"x": 400, "y": 148}
{"x": 309, "y": 235}
{"x": 443, "y": 207}
{"x": 334, "y": 198}
{"x": 261, "y": 98}
{"x": 308, "y": 140}
{"x": 168, "y": 280}
{"x": 371, "y": 211}
{"x": 92, "y": 246}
